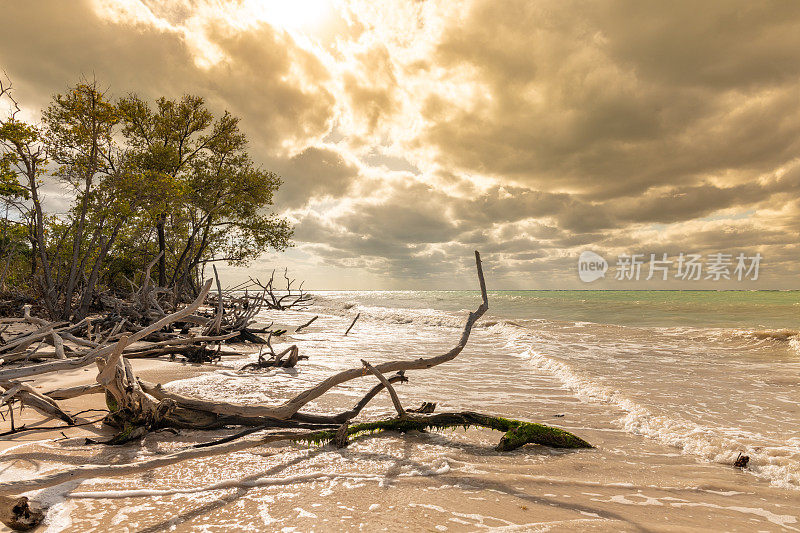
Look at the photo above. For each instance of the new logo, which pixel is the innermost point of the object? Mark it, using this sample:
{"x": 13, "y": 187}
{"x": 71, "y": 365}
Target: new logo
{"x": 591, "y": 267}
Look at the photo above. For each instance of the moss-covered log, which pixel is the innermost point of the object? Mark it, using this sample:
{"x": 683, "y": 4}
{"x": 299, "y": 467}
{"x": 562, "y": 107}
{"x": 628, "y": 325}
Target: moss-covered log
{"x": 517, "y": 432}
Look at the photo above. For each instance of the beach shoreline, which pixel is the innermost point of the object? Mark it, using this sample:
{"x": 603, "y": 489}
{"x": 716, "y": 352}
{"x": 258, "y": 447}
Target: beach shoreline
{"x": 446, "y": 481}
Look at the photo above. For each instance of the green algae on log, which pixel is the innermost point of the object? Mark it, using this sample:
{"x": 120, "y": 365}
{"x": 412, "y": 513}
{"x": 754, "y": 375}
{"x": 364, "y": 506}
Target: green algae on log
{"x": 517, "y": 432}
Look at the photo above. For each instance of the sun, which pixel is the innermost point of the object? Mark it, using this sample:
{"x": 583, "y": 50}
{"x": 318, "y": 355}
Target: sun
{"x": 304, "y": 15}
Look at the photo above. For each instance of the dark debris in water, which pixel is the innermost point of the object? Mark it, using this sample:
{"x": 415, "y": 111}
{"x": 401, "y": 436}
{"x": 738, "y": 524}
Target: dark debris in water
{"x": 741, "y": 461}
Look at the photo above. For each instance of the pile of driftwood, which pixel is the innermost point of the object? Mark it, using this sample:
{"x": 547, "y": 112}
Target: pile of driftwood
{"x": 136, "y": 407}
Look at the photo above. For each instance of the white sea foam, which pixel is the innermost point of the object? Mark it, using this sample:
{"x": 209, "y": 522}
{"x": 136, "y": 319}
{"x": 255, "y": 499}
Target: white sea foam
{"x": 794, "y": 343}
{"x": 776, "y": 464}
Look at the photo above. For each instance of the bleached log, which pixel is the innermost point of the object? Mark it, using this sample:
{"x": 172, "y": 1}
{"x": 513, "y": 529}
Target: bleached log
{"x": 27, "y": 395}
{"x": 393, "y": 393}
{"x": 74, "y": 392}
{"x": 177, "y": 341}
{"x": 217, "y": 322}
{"x": 9, "y": 393}
{"x": 34, "y": 354}
{"x": 29, "y": 338}
{"x": 58, "y": 344}
{"x": 79, "y": 341}
{"x": 154, "y": 349}
{"x": 292, "y": 406}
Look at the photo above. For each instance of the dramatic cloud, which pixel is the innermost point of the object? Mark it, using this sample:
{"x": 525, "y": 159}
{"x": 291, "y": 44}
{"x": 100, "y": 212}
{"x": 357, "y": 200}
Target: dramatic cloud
{"x": 410, "y": 133}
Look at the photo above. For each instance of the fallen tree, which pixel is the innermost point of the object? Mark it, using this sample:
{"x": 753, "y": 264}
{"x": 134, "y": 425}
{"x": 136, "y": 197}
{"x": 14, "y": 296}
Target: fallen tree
{"x": 137, "y": 407}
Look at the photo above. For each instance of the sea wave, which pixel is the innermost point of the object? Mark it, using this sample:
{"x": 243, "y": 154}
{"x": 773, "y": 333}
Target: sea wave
{"x": 794, "y": 344}
{"x": 392, "y": 315}
{"x": 776, "y": 463}
{"x": 784, "y": 335}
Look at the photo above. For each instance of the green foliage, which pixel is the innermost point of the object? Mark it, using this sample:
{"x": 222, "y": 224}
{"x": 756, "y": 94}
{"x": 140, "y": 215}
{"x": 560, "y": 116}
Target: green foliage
{"x": 15, "y": 252}
{"x": 13, "y": 132}
{"x": 128, "y": 162}
{"x": 79, "y": 132}
{"x": 18, "y": 133}
{"x": 216, "y": 198}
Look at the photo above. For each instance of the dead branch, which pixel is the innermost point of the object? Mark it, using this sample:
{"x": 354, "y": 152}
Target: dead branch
{"x": 74, "y": 392}
{"x": 290, "y": 299}
{"x": 216, "y": 324}
{"x": 27, "y": 395}
{"x": 395, "y": 399}
{"x": 353, "y": 323}
{"x": 303, "y": 326}
{"x": 346, "y": 416}
{"x": 276, "y": 359}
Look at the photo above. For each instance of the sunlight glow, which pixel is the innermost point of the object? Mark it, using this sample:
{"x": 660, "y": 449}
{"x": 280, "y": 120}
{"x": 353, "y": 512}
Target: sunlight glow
{"x": 304, "y": 15}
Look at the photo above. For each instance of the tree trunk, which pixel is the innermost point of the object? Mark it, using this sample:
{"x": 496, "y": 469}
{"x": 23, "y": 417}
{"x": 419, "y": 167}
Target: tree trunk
{"x": 76, "y": 248}
{"x": 39, "y": 241}
{"x": 162, "y": 262}
{"x": 88, "y": 292}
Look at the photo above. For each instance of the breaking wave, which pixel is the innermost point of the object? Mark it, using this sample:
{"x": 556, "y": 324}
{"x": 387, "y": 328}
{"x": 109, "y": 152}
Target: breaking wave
{"x": 775, "y": 463}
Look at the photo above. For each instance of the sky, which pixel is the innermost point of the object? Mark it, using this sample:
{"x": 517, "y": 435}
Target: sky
{"x": 410, "y": 133}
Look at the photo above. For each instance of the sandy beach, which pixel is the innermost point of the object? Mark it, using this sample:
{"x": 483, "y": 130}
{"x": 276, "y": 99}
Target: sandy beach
{"x": 437, "y": 481}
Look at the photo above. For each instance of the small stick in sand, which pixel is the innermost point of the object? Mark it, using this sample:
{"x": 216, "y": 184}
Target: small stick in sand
{"x": 302, "y": 326}
{"x": 353, "y": 323}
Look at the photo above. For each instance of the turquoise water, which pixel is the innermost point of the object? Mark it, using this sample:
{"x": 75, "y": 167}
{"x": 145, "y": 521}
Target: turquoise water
{"x": 701, "y": 309}
{"x": 762, "y": 309}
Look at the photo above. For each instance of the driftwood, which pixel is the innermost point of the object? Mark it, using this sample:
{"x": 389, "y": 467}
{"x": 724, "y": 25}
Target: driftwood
{"x": 282, "y": 299}
{"x": 276, "y": 360}
{"x": 353, "y": 323}
{"x": 216, "y": 325}
{"x": 137, "y": 407}
{"x": 305, "y": 325}
{"x": 26, "y": 395}
{"x": 89, "y": 357}
{"x": 18, "y": 514}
